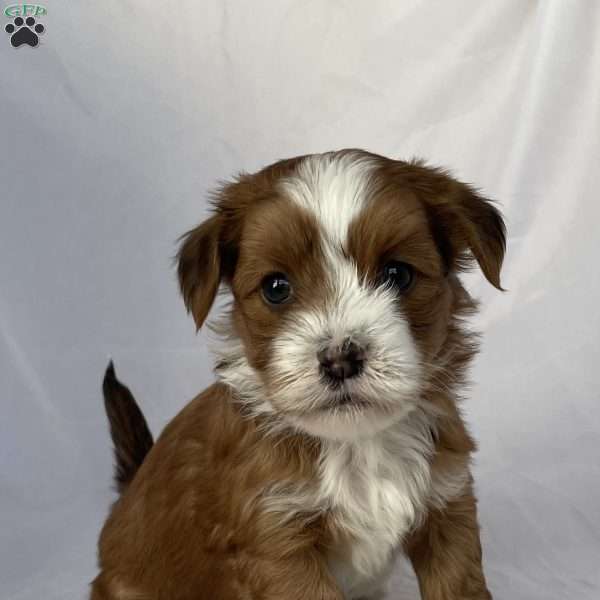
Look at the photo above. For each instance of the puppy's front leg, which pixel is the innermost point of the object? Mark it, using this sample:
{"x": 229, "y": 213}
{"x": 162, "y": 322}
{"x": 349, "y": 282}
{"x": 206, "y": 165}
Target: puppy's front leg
{"x": 446, "y": 553}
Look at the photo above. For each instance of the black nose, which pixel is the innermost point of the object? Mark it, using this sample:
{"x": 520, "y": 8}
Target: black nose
{"x": 342, "y": 362}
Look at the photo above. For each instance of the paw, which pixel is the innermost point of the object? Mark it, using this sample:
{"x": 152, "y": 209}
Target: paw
{"x": 24, "y": 32}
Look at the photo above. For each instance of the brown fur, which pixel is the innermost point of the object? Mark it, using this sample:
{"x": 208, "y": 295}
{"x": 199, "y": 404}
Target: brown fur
{"x": 446, "y": 552}
{"x": 191, "y": 525}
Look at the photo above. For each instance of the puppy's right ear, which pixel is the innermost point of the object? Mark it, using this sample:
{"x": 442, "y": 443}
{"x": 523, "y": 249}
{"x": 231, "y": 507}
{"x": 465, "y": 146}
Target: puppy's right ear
{"x": 199, "y": 267}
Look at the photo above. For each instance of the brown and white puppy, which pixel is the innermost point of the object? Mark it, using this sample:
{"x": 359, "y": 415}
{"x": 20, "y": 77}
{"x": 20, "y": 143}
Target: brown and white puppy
{"x": 332, "y": 440}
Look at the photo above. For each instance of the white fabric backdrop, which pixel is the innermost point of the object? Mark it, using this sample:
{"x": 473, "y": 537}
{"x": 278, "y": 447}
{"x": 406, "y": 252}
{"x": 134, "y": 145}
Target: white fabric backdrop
{"x": 117, "y": 124}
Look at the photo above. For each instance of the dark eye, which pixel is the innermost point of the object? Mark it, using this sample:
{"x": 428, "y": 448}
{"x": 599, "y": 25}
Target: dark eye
{"x": 276, "y": 288}
{"x": 399, "y": 274}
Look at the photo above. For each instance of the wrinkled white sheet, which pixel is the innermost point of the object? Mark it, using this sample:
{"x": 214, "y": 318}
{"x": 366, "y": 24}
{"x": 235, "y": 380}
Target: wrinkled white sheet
{"x": 117, "y": 124}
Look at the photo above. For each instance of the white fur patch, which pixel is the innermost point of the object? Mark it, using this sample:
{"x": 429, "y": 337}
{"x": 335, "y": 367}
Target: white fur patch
{"x": 377, "y": 489}
{"x": 334, "y": 188}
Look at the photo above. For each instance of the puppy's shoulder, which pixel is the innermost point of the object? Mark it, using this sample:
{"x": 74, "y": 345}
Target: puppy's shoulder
{"x": 196, "y": 435}
{"x": 213, "y": 407}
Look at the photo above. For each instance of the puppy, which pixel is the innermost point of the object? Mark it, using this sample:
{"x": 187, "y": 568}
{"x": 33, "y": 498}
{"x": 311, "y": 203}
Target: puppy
{"x": 332, "y": 440}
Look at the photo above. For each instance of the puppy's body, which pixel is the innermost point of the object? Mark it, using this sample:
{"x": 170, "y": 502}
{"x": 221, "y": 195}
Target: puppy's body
{"x": 191, "y": 524}
{"x": 333, "y": 439}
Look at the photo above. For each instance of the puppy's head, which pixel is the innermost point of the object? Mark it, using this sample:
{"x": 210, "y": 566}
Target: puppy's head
{"x": 342, "y": 268}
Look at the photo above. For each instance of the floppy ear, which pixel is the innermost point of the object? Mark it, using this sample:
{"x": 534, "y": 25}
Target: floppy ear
{"x": 199, "y": 268}
{"x": 463, "y": 221}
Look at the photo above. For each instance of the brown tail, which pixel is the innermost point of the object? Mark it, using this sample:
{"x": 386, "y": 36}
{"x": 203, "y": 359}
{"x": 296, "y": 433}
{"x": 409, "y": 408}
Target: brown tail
{"x": 128, "y": 428}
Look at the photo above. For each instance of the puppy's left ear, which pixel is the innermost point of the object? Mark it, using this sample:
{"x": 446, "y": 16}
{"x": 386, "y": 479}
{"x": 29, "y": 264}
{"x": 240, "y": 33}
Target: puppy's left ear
{"x": 467, "y": 225}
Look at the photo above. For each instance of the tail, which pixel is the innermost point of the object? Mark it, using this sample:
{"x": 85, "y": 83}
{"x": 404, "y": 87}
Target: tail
{"x": 128, "y": 429}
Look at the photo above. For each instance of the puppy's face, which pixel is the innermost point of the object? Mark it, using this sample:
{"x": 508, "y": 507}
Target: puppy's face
{"x": 341, "y": 267}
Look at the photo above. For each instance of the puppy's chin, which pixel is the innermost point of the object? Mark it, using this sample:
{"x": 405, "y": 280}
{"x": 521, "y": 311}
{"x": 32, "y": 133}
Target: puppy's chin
{"x": 350, "y": 421}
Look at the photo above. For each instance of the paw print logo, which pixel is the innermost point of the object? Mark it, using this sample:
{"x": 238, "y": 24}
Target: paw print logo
{"x": 24, "y": 32}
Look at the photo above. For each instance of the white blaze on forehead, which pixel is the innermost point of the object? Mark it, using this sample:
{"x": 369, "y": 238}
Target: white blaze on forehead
{"x": 334, "y": 187}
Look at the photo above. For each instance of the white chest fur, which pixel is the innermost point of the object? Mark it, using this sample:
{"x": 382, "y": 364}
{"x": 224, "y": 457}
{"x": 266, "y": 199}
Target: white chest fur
{"x": 376, "y": 489}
